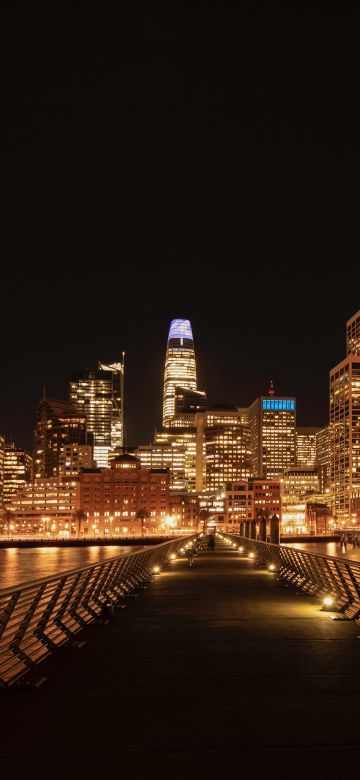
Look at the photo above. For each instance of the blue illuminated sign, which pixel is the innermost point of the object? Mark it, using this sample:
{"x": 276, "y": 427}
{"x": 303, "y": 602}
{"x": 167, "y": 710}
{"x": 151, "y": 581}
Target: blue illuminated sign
{"x": 282, "y": 405}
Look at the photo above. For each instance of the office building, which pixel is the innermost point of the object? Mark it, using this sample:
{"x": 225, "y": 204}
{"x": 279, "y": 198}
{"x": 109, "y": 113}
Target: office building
{"x": 170, "y": 453}
{"x": 180, "y": 366}
{"x": 17, "y": 471}
{"x": 73, "y": 458}
{"x": 353, "y": 335}
{"x": 98, "y": 395}
{"x": 46, "y": 506}
{"x": 183, "y": 467}
{"x": 345, "y": 440}
{"x": 306, "y": 447}
{"x": 58, "y": 423}
{"x": 250, "y": 500}
{"x": 223, "y": 447}
{"x": 298, "y": 485}
{"x": 273, "y": 435}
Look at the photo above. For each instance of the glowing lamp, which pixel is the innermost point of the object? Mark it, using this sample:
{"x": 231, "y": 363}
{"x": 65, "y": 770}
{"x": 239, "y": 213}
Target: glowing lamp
{"x": 172, "y": 557}
{"x": 328, "y": 601}
{"x": 251, "y": 555}
{"x": 271, "y": 567}
{"x": 156, "y": 570}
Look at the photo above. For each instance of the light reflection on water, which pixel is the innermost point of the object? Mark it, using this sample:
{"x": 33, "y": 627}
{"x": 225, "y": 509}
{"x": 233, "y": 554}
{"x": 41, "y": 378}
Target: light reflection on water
{"x": 329, "y": 548}
{"x": 19, "y": 565}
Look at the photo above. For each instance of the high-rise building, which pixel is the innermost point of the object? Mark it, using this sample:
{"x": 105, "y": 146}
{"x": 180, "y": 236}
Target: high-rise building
{"x": 187, "y": 404}
{"x": 223, "y": 447}
{"x": 183, "y": 443}
{"x": 17, "y": 470}
{"x": 170, "y": 453}
{"x": 323, "y": 458}
{"x": 98, "y": 395}
{"x": 273, "y": 435}
{"x": 306, "y": 447}
{"x": 345, "y": 440}
{"x": 180, "y": 366}
{"x": 2, "y": 448}
{"x": 353, "y": 335}
{"x": 58, "y": 423}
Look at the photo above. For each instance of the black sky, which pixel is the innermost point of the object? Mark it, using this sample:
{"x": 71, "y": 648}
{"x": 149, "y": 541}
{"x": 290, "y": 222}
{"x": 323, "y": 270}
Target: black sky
{"x": 199, "y": 163}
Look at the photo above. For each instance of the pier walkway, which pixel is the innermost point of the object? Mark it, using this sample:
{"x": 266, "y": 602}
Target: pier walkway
{"x": 211, "y": 671}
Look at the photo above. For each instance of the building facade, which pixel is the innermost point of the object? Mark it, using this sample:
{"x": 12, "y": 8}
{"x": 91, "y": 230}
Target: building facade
{"x": 96, "y": 394}
{"x": 2, "y": 456}
{"x": 298, "y": 485}
{"x": 250, "y": 500}
{"x": 46, "y": 506}
{"x": 223, "y": 447}
{"x": 306, "y": 447}
{"x": 345, "y": 440}
{"x": 58, "y": 423}
{"x": 180, "y": 367}
{"x": 17, "y": 470}
{"x": 111, "y": 498}
{"x": 353, "y": 335}
{"x": 73, "y": 458}
{"x": 183, "y": 443}
{"x": 273, "y": 435}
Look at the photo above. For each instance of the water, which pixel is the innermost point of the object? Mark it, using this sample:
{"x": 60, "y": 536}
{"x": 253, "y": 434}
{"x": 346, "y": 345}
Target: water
{"x": 18, "y": 565}
{"x": 329, "y": 548}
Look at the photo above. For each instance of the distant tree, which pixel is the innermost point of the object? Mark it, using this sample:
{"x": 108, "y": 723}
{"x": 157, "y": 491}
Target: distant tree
{"x": 142, "y": 515}
{"x": 79, "y": 517}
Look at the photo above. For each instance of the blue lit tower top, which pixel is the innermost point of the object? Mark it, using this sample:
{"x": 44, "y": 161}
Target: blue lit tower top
{"x": 180, "y": 365}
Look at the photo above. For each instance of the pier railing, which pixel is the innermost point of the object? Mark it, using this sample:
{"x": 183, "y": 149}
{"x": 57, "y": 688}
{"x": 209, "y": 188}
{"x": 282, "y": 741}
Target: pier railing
{"x": 325, "y": 575}
{"x": 37, "y": 617}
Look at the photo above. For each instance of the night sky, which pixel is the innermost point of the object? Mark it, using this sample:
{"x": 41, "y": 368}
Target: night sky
{"x": 171, "y": 163}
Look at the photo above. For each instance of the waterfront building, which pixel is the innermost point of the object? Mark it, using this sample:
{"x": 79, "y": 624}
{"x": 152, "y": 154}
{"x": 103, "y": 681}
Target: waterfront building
{"x": 273, "y": 434}
{"x": 17, "y": 470}
{"x": 323, "y": 458}
{"x": 297, "y": 486}
{"x": 306, "y": 447}
{"x": 45, "y": 506}
{"x": 184, "y": 511}
{"x": 98, "y": 395}
{"x": 57, "y": 423}
{"x": 113, "y": 497}
{"x": 223, "y": 447}
{"x": 180, "y": 366}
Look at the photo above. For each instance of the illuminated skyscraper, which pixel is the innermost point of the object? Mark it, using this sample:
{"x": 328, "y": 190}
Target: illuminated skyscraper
{"x": 58, "y": 423}
{"x": 345, "y": 440}
{"x": 223, "y": 447}
{"x": 353, "y": 335}
{"x": 273, "y": 435}
{"x": 323, "y": 458}
{"x": 306, "y": 447}
{"x": 180, "y": 366}
{"x": 98, "y": 394}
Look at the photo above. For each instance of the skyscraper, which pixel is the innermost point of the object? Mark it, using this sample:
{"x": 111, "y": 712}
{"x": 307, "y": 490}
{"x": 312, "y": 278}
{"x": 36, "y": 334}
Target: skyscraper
{"x": 353, "y": 335}
{"x": 98, "y": 395}
{"x": 306, "y": 447}
{"x": 57, "y": 423}
{"x": 223, "y": 447}
{"x": 273, "y": 435}
{"x": 180, "y": 366}
{"x": 345, "y": 429}
{"x": 323, "y": 458}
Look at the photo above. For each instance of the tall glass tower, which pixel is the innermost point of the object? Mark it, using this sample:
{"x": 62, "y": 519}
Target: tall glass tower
{"x": 180, "y": 366}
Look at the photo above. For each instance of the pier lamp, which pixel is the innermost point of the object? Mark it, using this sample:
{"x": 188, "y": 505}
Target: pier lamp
{"x": 327, "y": 603}
{"x": 252, "y": 556}
{"x": 272, "y": 567}
{"x": 173, "y": 557}
{"x": 240, "y": 549}
{"x": 156, "y": 570}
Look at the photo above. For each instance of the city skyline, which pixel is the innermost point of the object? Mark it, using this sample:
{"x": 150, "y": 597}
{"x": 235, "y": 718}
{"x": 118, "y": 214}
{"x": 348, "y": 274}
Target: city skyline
{"x": 229, "y": 383}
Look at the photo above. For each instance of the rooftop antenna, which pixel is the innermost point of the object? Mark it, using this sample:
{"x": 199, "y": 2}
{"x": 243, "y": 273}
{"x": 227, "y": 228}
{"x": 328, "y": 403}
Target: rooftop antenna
{"x": 122, "y": 384}
{"x": 271, "y": 390}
